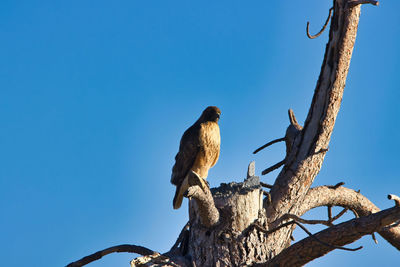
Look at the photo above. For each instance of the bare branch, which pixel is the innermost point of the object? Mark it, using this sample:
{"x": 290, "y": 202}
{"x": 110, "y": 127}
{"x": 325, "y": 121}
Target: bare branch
{"x": 322, "y": 242}
{"x": 268, "y": 144}
{"x": 209, "y": 214}
{"x": 309, "y": 249}
{"x": 347, "y": 198}
{"x": 301, "y": 220}
{"x": 340, "y": 214}
{"x": 323, "y": 28}
{"x": 121, "y": 248}
{"x": 293, "y": 120}
{"x": 374, "y": 238}
{"x": 266, "y": 185}
{"x": 200, "y": 192}
{"x": 180, "y": 237}
{"x": 292, "y": 131}
{"x": 336, "y": 186}
{"x": 298, "y": 219}
{"x": 160, "y": 260}
{"x": 395, "y": 198}
{"x": 273, "y": 167}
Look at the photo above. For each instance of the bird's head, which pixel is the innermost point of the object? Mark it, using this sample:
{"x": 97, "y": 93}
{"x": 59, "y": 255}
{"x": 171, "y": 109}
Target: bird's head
{"x": 211, "y": 113}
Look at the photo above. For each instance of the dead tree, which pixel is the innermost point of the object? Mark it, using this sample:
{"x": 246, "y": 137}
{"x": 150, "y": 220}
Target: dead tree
{"x": 241, "y": 224}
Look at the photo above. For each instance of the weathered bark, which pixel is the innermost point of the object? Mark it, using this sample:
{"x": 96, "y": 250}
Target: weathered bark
{"x": 208, "y": 214}
{"x": 231, "y": 242}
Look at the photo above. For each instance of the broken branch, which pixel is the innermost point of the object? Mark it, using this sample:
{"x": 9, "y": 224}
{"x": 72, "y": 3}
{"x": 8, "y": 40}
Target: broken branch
{"x": 121, "y": 248}
{"x": 395, "y": 198}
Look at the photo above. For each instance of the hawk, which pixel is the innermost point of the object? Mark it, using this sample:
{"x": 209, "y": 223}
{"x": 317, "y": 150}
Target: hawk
{"x": 198, "y": 151}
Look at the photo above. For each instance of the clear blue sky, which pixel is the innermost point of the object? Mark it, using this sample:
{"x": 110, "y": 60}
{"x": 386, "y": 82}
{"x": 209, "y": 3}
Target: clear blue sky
{"x": 95, "y": 95}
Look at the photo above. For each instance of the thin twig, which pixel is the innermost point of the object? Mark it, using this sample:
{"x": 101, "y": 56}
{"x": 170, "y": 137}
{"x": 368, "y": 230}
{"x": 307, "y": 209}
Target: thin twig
{"x": 121, "y": 248}
{"x": 340, "y": 214}
{"x": 292, "y": 119}
{"x": 266, "y": 185}
{"x": 180, "y": 237}
{"x": 323, "y": 28}
{"x": 329, "y": 213}
{"x": 374, "y": 238}
{"x": 336, "y": 185}
{"x": 268, "y": 144}
{"x": 322, "y": 150}
{"x": 355, "y": 213}
{"x": 273, "y": 167}
{"x": 267, "y": 232}
{"x": 322, "y": 242}
{"x": 301, "y": 220}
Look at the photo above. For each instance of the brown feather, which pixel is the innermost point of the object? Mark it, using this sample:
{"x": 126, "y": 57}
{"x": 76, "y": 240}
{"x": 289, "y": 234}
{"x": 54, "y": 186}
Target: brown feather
{"x": 198, "y": 151}
{"x": 209, "y": 149}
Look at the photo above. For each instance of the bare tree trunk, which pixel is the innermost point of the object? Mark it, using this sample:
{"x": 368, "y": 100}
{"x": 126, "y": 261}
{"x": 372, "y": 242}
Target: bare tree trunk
{"x": 239, "y": 224}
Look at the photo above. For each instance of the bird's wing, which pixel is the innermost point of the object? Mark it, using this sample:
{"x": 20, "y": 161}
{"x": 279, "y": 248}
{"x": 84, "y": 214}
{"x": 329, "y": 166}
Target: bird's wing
{"x": 188, "y": 150}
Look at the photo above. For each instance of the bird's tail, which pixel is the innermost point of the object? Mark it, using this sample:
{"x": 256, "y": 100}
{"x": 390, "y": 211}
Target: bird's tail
{"x": 180, "y": 190}
{"x": 177, "y": 202}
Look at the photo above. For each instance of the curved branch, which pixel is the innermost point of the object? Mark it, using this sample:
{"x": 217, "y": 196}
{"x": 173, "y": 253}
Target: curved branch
{"x": 200, "y": 192}
{"x": 395, "y": 198}
{"x": 329, "y": 222}
{"x": 294, "y": 221}
{"x": 268, "y": 144}
{"x": 208, "y": 213}
{"x": 309, "y": 249}
{"x": 326, "y": 244}
{"x": 121, "y": 248}
{"x": 347, "y": 198}
{"x": 323, "y": 28}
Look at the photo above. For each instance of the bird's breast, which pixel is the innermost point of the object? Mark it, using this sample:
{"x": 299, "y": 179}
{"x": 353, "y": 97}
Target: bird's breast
{"x": 210, "y": 141}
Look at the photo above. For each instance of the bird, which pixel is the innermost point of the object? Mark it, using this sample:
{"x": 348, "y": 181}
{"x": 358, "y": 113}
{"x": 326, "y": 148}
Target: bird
{"x": 199, "y": 150}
